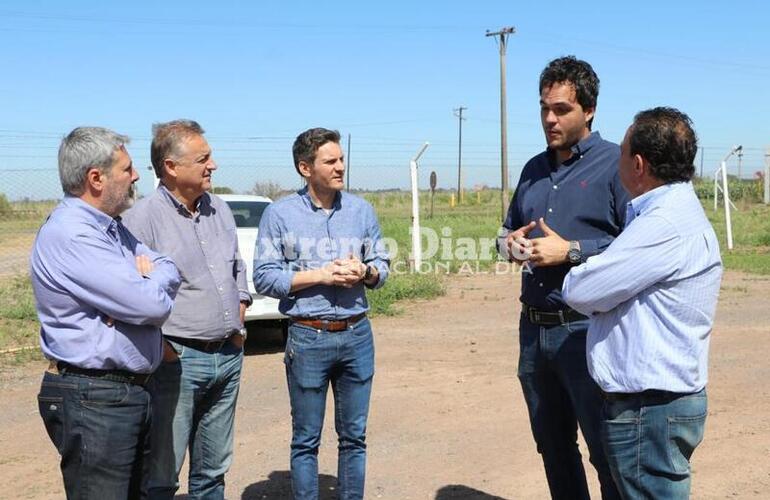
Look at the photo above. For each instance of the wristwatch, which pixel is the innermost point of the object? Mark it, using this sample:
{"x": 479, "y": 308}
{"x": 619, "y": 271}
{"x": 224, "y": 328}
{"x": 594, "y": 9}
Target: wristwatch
{"x": 574, "y": 255}
{"x": 368, "y": 273}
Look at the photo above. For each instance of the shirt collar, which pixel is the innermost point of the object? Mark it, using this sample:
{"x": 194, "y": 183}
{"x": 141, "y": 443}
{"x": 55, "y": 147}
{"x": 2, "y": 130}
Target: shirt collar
{"x": 203, "y": 203}
{"x": 105, "y": 222}
{"x": 646, "y": 201}
{"x": 305, "y": 195}
{"x": 579, "y": 149}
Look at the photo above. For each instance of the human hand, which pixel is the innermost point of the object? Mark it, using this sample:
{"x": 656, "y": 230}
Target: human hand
{"x": 550, "y": 249}
{"x": 349, "y": 271}
{"x": 517, "y": 243}
{"x": 169, "y": 353}
{"x": 144, "y": 265}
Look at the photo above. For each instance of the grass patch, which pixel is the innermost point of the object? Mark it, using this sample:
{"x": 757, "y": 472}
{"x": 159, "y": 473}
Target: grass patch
{"x": 18, "y": 321}
{"x": 403, "y": 287}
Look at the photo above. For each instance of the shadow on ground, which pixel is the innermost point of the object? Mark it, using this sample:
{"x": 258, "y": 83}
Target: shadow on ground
{"x": 458, "y": 492}
{"x": 278, "y": 486}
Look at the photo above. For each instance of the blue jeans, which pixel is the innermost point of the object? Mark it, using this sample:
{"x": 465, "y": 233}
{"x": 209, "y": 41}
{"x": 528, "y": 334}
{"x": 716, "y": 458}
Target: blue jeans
{"x": 561, "y": 395}
{"x": 650, "y": 438}
{"x": 193, "y": 403}
{"x": 101, "y": 430}
{"x": 315, "y": 358}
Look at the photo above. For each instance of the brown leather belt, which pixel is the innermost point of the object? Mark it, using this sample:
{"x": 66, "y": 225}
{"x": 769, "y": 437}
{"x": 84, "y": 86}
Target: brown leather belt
{"x": 330, "y": 325}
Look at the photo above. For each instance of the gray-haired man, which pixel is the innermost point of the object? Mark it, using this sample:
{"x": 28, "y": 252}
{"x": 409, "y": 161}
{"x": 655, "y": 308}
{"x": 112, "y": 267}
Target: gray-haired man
{"x": 101, "y": 298}
{"x": 195, "y": 389}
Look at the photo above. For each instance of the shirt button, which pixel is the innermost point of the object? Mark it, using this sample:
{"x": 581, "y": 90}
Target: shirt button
{"x": 555, "y": 186}
{"x": 227, "y": 313}
{"x": 211, "y": 266}
{"x": 540, "y": 284}
{"x": 550, "y": 210}
{"x": 220, "y": 288}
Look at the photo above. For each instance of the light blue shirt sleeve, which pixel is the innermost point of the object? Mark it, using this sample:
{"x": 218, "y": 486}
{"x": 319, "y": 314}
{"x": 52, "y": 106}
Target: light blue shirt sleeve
{"x": 272, "y": 273}
{"x": 375, "y": 252}
{"x": 646, "y": 252}
{"x": 124, "y": 295}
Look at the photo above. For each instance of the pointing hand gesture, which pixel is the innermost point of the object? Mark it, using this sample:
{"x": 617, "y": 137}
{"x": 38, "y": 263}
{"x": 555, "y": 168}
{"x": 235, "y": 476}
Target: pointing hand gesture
{"x": 550, "y": 249}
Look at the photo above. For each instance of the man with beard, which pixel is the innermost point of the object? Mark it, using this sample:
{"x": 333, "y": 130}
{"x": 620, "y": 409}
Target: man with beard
{"x": 568, "y": 206}
{"x": 101, "y": 298}
{"x": 195, "y": 389}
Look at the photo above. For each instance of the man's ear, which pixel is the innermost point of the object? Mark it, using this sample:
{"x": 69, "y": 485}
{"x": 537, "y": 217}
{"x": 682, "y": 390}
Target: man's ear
{"x": 95, "y": 179}
{"x": 304, "y": 169}
{"x": 641, "y": 166}
{"x": 169, "y": 168}
{"x": 589, "y": 113}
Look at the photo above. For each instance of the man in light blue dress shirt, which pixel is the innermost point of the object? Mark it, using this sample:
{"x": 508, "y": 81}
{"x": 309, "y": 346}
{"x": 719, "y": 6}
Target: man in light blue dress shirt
{"x": 101, "y": 297}
{"x": 651, "y": 297}
{"x": 317, "y": 250}
{"x": 195, "y": 390}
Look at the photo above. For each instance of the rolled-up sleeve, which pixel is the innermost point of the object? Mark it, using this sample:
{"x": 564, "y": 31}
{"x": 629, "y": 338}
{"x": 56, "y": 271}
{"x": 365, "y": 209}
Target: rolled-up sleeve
{"x": 375, "y": 252}
{"x": 272, "y": 274}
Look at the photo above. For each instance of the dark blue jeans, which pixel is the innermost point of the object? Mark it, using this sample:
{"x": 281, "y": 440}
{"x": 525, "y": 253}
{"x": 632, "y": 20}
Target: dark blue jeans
{"x": 650, "y": 438}
{"x": 561, "y": 395}
{"x": 101, "y": 430}
{"x": 193, "y": 404}
{"x": 314, "y": 360}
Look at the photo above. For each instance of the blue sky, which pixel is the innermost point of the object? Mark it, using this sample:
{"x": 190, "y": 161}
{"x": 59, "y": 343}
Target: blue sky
{"x": 255, "y": 74}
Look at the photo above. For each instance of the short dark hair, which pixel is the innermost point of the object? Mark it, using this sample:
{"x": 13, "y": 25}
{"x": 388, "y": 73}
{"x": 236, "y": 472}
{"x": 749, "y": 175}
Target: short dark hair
{"x": 665, "y": 138}
{"x": 579, "y": 73}
{"x": 307, "y": 143}
{"x": 166, "y": 139}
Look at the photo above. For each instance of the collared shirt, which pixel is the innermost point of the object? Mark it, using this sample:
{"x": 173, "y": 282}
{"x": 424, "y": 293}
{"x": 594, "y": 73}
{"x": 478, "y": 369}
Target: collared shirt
{"x": 295, "y": 235}
{"x": 204, "y": 246}
{"x": 652, "y": 296}
{"x": 581, "y": 199}
{"x": 95, "y": 309}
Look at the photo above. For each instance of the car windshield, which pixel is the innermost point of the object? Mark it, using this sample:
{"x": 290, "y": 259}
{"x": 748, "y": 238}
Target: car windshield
{"x": 247, "y": 213}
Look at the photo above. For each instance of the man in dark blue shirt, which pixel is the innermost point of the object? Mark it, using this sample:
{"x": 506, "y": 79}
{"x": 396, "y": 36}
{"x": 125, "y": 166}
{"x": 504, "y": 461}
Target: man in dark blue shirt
{"x": 569, "y": 205}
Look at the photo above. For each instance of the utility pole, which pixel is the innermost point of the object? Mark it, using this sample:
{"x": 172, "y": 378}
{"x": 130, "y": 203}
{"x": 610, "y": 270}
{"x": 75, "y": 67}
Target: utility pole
{"x": 701, "y": 162}
{"x": 459, "y": 115}
{"x": 740, "y": 161}
{"x": 503, "y": 35}
{"x": 347, "y": 163}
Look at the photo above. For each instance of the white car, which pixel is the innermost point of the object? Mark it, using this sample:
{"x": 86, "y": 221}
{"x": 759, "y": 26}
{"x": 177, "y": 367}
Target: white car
{"x": 247, "y": 211}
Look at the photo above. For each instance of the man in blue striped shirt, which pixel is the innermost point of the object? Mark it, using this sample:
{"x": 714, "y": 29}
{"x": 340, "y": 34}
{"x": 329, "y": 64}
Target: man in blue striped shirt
{"x": 651, "y": 297}
{"x": 317, "y": 251}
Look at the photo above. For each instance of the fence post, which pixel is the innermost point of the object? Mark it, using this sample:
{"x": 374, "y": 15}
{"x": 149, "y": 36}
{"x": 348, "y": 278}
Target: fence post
{"x": 767, "y": 177}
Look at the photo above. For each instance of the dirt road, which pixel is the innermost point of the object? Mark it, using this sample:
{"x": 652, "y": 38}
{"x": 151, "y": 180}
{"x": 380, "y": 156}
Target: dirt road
{"x": 448, "y": 419}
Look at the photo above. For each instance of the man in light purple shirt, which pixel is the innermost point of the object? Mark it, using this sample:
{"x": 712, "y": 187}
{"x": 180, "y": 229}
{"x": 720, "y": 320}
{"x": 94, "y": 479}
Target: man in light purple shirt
{"x": 101, "y": 297}
{"x": 196, "y": 387}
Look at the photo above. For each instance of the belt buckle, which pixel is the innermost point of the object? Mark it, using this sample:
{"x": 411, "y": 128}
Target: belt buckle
{"x": 561, "y": 316}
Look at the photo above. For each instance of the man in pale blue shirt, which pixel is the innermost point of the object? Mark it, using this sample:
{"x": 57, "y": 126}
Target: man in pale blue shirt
{"x": 317, "y": 250}
{"x": 651, "y": 297}
{"x": 101, "y": 297}
{"x": 195, "y": 390}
